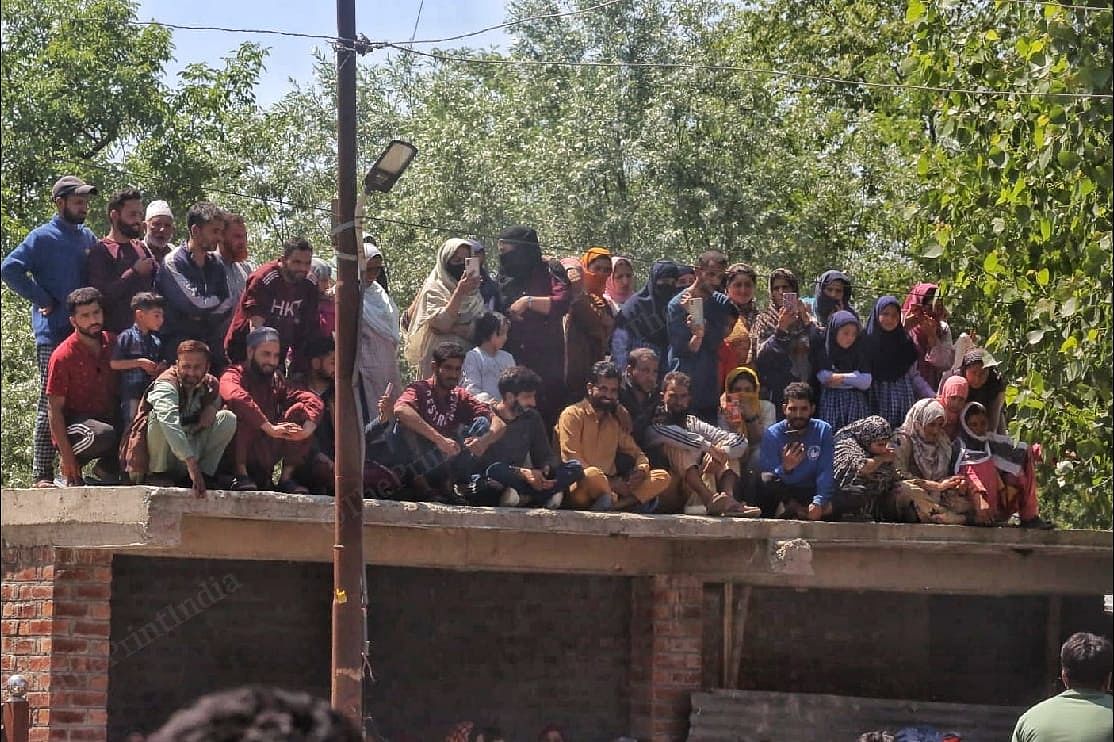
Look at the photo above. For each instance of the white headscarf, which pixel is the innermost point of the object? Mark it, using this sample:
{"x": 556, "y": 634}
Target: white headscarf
{"x": 932, "y": 455}
{"x": 432, "y": 298}
{"x": 378, "y": 310}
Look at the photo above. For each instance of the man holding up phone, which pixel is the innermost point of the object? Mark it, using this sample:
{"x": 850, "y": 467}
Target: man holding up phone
{"x": 797, "y": 460}
{"x": 697, "y": 320}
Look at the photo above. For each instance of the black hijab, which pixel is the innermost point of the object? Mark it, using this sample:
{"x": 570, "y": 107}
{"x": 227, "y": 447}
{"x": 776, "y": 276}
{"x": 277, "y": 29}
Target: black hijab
{"x": 516, "y": 266}
{"x": 644, "y": 313}
{"x": 891, "y": 352}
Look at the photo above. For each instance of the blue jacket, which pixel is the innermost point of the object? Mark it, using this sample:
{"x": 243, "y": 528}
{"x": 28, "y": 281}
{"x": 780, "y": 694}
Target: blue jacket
{"x": 44, "y": 269}
{"x": 815, "y": 471}
{"x": 703, "y": 365}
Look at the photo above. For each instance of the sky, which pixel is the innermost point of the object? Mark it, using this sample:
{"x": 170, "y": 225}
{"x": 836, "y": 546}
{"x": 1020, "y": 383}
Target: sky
{"x": 292, "y": 58}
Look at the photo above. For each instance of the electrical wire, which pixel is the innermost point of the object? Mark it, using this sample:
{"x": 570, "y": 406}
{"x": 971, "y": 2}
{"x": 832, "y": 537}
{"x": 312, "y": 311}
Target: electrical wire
{"x": 417, "y": 19}
{"x": 265, "y": 31}
{"x": 752, "y": 70}
{"x": 508, "y": 24}
{"x": 1065, "y": 6}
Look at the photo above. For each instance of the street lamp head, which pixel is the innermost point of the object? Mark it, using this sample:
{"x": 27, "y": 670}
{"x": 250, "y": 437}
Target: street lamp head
{"x": 17, "y": 686}
{"x": 390, "y": 166}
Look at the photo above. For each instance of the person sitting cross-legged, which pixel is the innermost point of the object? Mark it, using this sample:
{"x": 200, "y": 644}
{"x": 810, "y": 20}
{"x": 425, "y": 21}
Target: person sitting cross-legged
{"x": 442, "y": 429}
{"x": 796, "y": 460}
{"x": 617, "y": 474}
{"x": 317, "y": 471}
{"x": 521, "y": 463}
{"x": 704, "y": 456}
{"x": 275, "y": 420}
{"x": 180, "y": 425}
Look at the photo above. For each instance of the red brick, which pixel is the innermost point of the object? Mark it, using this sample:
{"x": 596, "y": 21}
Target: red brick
{"x": 99, "y": 610}
{"x": 26, "y": 574}
{"x": 94, "y": 591}
{"x": 99, "y": 647}
{"x": 62, "y": 645}
{"x": 87, "y": 734}
{"x": 42, "y": 592}
{"x": 38, "y": 734}
{"x": 9, "y": 626}
{"x": 72, "y": 608}
{"x": 68, "y": 716}
{"x": 90, "y": 628}
{"x": 35, "y": 627}
{"x": 75, "y": 699}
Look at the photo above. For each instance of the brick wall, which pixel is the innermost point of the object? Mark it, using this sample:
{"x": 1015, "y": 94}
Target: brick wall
{"x": 666, "y": 654}
{"x": 56, "y": 634}
{"x": 519, "y": 651}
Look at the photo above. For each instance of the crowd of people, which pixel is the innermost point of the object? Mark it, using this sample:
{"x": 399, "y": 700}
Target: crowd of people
{"x": 549, "y": 382}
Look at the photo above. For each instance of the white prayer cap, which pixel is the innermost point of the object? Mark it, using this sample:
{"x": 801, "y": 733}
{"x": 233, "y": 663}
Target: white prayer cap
{"x": 158, "y": 208}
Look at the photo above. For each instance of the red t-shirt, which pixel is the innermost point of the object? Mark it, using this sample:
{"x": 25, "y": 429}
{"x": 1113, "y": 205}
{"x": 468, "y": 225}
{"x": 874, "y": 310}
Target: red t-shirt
{"x": 459, "y": 408}
{"x": 84, "y": 378}
{"x": 290, "y": 308}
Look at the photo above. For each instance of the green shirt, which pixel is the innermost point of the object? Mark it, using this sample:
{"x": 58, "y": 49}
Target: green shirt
{"x": 1078, "y": 715}
{"x": 177, "y": 417}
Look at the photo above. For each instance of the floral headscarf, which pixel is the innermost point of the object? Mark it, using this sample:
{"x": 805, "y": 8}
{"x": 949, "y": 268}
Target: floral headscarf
{"x": 931, "y": 455}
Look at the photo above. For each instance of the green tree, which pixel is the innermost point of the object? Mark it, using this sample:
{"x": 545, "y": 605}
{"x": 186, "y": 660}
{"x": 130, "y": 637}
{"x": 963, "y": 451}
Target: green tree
{"x": 1015, "y": 217}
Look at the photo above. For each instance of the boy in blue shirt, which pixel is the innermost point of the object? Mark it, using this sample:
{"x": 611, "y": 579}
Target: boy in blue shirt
{"x": 796, "y": 460}
{"x": 136, "y": 355}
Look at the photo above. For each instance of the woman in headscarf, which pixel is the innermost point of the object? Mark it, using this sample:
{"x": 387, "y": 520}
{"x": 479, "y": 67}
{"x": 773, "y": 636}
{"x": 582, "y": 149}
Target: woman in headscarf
{"x": 953, "y": 398}
{"x": 535, "y": 300}
{"x": 641, "y": 323}
{"x": 985, "y": 385}
{"x": 740, "y": 344}
{"x": 833, "y": 294}
{"x": 447, "y": 307}
{"x": 929, "y": 492}
{"x": 864, "y": 458}
{"x": 999, "y": 470}
{"x": 376, "y": 367}
{"x": 895, "y": 385}
{"x": 742, "y": 411}
{"x": 620, "y": 284}
{"x": 844, "y": 372}
{"x": 589, "y": 322}
{"x": 782, "y": 335}
{"x": 924, "y": 318}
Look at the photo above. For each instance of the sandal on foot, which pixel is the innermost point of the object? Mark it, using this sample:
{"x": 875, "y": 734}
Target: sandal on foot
{"x": 243, "y": 484}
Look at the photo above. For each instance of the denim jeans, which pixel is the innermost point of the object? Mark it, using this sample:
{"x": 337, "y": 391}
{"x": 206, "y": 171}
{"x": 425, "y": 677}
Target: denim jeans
{"x": 565, "y": 475}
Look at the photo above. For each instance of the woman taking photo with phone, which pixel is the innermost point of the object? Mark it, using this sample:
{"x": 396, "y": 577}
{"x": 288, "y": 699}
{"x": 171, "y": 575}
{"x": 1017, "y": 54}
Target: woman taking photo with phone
{"x": 782, "y": 338}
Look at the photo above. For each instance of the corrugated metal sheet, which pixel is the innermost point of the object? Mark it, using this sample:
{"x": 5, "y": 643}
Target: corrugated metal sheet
{"x": 762, "y": 716}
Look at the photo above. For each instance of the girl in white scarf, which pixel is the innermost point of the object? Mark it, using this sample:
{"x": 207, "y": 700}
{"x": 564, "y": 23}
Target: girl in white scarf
{"x": 928, "y": 492}
{"x": 446, "y": 308}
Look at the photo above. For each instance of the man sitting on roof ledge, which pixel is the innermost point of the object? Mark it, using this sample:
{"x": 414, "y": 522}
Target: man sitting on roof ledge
{"x": 275, "y": 421}
{"x": 180, "y": 423}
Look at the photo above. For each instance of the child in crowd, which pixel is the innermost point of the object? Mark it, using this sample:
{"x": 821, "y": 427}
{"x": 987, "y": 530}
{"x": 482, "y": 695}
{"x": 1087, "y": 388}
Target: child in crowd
{"x": 484, "y": 363}
{"x": 137, "y": 352}
{"x": 895, "y": 381}
{"x": 843, "y": 368}
{"x": 998, "y": 470}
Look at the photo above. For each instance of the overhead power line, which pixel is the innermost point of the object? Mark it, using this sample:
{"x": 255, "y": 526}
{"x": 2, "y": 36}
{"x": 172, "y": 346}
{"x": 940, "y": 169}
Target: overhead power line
{"x": 1065, "y": 6}
{"x": 264, "y": 31}
{"x": 518, "y": 22}
{"x": 750, "y": 70}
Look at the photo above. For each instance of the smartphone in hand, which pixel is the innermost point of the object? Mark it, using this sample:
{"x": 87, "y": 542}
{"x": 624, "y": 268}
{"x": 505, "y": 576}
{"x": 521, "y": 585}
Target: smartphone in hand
{"x": 789, "y": 300}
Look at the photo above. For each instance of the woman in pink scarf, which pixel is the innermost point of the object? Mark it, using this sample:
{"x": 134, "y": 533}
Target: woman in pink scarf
{"x": 953, "y": 397}
{"x": 923, "y": 316}
{"x": 620, "y": 285}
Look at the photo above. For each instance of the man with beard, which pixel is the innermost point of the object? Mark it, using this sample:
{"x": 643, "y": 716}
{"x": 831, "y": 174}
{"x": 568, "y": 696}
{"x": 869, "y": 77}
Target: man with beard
{"x": 44, "y": 269}
{"x": 796, "y": 460}
{"x": 279, "y": 294}
{"x": 180, "y": 423}
{"x": 81, "y": 393}
{"x": 535, "y": 300}
{"x": 233, "y": 250}
{"x": 317, "y": 472}
{"x": 694, "y": 341}
{"x": 545, "y": 481}
{"x": 699, "y": 452}
{"x": 160, "y": 229}
{"x": 120, "y": 266}
{"x": 594, "y": 431}
{"x": 444, "y": 427}
{"x": 274, "y": 420}
{"x": 640, "y": 396}
{"x": 195, "y": 287}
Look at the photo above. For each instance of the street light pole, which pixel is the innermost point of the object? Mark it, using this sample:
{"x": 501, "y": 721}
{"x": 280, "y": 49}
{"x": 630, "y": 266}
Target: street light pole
{"x": 349, "y": 619}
